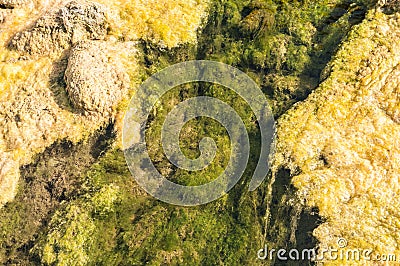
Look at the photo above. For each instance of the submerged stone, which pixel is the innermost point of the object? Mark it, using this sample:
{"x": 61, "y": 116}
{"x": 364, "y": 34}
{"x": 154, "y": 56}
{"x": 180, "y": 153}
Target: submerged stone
{"x": 95, "y": 81}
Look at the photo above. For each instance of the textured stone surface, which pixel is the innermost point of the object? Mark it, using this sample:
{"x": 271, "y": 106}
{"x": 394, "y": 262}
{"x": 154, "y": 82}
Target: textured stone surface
{"x": 38, "y": 113}
{"x": 4, "y": 13}
{"x": 9, "y": 172}
{"x": 343, "y": 142}
{"x": 95, "y": 81}
{"x": 389, "y": 6}
{"x": 35, "y": 109}
{"x": 15, "y": 3}
{"x": 58, "y": 30}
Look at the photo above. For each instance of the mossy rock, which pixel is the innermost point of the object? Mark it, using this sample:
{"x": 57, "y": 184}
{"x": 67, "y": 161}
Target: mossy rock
{"x": 340, "y": 143}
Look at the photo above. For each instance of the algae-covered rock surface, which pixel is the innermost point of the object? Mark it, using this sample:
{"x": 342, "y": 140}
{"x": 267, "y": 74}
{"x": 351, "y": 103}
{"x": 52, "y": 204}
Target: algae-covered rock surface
{"x": 342, "y": 143}
{"x": 94, "y": 82}
{"x": 74, "y": 22}
{"x": 46, "y": 92}
{"x": 328, "y": 68}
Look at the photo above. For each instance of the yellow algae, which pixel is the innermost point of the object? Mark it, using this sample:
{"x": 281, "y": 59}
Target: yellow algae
{"x": 164, "y": 22}
{"x": 344, "y": 141}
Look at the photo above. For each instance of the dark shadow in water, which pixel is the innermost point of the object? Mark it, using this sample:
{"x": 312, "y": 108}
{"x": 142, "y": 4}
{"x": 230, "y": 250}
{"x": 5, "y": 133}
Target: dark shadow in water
{"x": 291, "y": 225}
{"x": 55, "y": 176}
{"x": 57, "y": 83}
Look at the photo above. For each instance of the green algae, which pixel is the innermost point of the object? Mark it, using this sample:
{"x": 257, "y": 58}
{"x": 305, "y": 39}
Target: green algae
{"x": 284, "y": 47}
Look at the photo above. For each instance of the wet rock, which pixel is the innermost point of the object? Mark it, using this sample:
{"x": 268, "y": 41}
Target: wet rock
{"x": 59, "y": 30}
{"x": 95, "y": 81}
{"x": 389, "y": 6}
{"x": 257, "y": 21}
{"x": 342, "y": 143}
{"x": 34, "y": 116}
